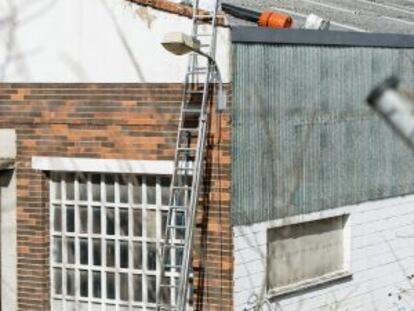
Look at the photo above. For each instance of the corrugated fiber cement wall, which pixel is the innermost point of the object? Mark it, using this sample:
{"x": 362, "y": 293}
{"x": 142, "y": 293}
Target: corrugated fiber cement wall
{"x": 304, "y": 139}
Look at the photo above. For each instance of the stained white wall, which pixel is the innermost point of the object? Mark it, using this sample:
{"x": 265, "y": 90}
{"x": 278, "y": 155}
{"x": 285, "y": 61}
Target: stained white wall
{"x": 381, "y": 259}
{"x": 8, "y": 224}
{"x": 92, "y": 41}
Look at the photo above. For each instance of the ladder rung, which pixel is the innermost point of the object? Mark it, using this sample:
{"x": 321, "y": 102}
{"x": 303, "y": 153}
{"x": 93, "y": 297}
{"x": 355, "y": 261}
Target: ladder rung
{"x": 176, "y": 227}
{"x": 196, "y": 92}
{"x": 184, "y": 168}
{"x": 181, "y": 187}
{"x": 178, "y": 207}
{"x": 188, "y": 129}
{"x": 168, "y": 285}
{"x": 203, "y": 16}
{"x": 189, "y": 110}
{"x": 196, "y": 72}
{"x": 170, "y": 246}
{"x": 207, "y": 34}
{"x": 186, "y": 149}
{"x": 172, "y": 267}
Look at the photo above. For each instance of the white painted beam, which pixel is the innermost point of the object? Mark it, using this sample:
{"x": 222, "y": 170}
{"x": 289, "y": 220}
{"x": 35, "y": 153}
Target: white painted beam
{"x": 63, "y": 164}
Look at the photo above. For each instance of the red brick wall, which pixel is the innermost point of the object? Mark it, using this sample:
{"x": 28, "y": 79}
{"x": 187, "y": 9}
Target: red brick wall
{"x": 117, "y": 121}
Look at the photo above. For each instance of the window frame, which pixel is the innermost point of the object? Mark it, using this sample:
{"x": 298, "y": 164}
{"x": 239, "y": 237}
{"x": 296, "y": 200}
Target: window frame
{"x": 159, "y": 207}
{"x": 343, "y": 273}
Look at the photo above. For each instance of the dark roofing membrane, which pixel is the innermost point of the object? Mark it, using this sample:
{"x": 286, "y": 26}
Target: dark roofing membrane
{"x": 245, "y": 34}
{"x": 379, "y": 16}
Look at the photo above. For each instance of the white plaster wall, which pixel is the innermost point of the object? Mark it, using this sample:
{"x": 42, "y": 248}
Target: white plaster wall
{"x": 7, "y": 143}
{"x": 381, "y": 258}
{"x": 92, "y": 41}
{"x": 8, "y": 224}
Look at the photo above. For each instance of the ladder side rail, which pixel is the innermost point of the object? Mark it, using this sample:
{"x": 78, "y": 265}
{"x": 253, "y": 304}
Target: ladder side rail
{"x": 181, "y": 295}
{"x": 183, "y": 287}
{"x": 167, "y": 232}
{"x": 189, "y": 240}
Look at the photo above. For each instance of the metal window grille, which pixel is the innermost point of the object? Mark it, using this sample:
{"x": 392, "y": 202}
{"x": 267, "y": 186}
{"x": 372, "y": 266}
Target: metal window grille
{"x": 105, "y": 240}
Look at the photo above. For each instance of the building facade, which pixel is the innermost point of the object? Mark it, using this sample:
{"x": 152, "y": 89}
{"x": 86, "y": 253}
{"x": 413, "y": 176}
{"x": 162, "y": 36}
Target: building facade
{"x": 89, "y": 112}
{"x": 306, "y": 201}
{"x": 92, "y": 180}
{"x": 322, "y": 188}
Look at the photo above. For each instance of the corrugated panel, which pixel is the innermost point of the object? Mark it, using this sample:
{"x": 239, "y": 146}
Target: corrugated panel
{"x": 303, "y": 138}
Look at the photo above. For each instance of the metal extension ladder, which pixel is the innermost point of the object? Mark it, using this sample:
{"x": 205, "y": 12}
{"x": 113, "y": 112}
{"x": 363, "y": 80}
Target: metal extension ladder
{"x": 176, "y": 260}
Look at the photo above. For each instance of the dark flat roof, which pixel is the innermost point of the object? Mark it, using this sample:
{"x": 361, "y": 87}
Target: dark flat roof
{"x": 391, "y": 16}
{"x": 256, "y": 34}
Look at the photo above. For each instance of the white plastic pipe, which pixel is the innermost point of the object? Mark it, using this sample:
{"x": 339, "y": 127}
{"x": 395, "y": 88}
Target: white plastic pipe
{"x": 395, "y": 108}
{"x": 315, "y": 22}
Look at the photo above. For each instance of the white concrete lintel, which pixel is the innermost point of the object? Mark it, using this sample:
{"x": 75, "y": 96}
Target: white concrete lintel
{"x": 91, "y": 165}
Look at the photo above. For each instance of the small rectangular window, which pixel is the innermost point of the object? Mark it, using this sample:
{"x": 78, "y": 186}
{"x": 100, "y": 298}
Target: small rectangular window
{"x": 165, "y": 190}
{"x": 110, "y": 285}
{"x": 123, "y": 190}
{"x": 70, "y": 282}
{"x": 301, "y": 253}
{"x": 96, "y": 220}
{"x": 96, "y": 284}
{"x": 96, "y": 188}
{"x": 83, "y": 215}
{"x": 83, "y": 191}
{"x": 83, "y": 251}
{"x": 137, "y": 222}
{"x": 57, "y": 249}
{"x": 58, "y": 281}
{"x": 110, "y": 221}
{"x": 151, "y": 194}
{"x": 123, "y": 289}
{"x": 84, "y": 283}
{"x": 110, "y": 253}
{"x": 57, "y": 218}
{"x": 70, "y": 187}
{"x": 138, "y": 287}
{"x": 110, "y": 188}
{"x": 70, "y": 218}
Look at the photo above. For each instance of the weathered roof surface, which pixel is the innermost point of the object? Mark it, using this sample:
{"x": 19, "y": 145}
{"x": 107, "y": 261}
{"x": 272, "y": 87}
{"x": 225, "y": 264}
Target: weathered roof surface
{"x": 389, "y": 16}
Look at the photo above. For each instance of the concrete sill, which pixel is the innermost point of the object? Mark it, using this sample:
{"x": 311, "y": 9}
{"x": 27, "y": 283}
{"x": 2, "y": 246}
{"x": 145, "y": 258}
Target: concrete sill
{"x": 304, "y": 285}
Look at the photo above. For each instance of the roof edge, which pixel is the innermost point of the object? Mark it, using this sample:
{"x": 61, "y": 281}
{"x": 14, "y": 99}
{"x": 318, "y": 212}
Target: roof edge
{"x": 176, "y": 8}
{"x": 246, "y": 34}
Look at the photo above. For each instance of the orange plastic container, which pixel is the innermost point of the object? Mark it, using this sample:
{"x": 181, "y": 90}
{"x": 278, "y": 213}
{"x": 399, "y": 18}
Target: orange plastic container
{"x": 274, "y": 20}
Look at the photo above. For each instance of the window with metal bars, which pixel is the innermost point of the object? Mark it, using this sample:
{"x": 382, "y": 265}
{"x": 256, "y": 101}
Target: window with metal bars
{"x": 106, "y": 233}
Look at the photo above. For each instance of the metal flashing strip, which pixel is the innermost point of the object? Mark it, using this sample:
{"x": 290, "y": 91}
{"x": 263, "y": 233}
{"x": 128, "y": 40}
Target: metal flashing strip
{"x": 6, "y": 164}
{"x": 245, "y": 34}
